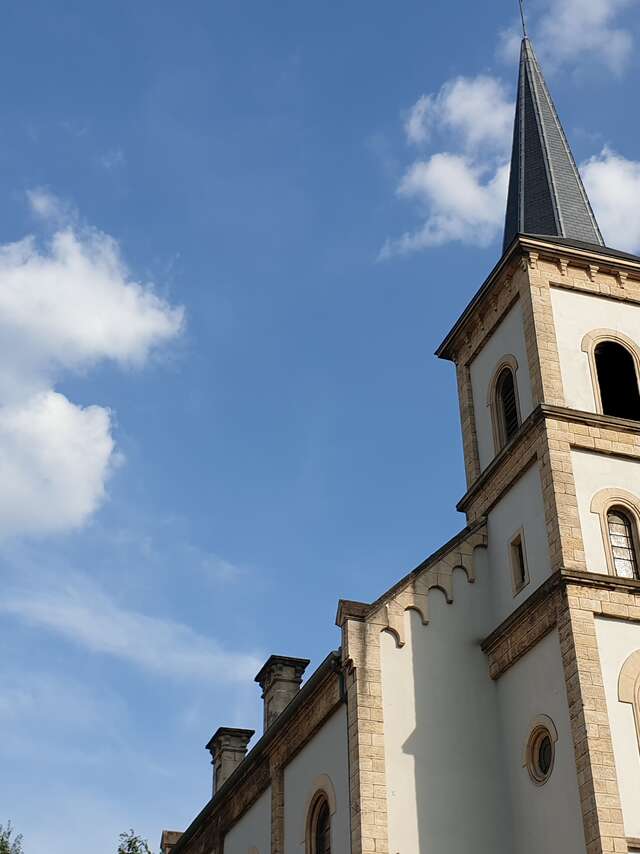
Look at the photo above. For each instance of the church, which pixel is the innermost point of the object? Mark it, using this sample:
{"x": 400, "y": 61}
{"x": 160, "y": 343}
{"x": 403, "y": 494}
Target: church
{"x": 489, "y": 702}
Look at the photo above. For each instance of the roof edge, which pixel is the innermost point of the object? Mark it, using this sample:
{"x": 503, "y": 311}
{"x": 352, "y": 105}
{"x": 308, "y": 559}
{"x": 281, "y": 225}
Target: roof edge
{"x": 331, "y": 664}
{"x": 526, "y": 242}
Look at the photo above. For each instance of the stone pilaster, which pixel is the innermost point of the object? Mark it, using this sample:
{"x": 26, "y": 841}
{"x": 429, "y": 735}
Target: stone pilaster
{"x": 277, "y": 809}
{"x": 540, "y": 334}
{"x": 595, "y": 763}
{"x": 468, "y": 422}
{"x": 367, "y": 780}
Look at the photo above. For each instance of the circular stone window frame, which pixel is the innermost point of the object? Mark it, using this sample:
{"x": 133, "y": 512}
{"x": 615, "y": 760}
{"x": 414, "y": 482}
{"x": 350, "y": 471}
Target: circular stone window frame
{"x": 541, "y": 727}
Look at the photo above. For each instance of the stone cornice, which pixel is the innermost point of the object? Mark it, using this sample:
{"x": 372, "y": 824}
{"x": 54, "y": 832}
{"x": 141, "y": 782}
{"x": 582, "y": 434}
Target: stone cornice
{"x": 527, "y": 426}
{"x": 508, "y": 260}
{"x": 559, "y": 580}
{"x": 608, "y": 259}
{"x": 530, "y": 249}
{"x": 590, "y": 419}
{"x": 556, "y": 413}
{"x": 521, "y": 614}
{"x": 361, "y": 611}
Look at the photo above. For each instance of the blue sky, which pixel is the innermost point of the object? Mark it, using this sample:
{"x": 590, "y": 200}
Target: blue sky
{"x": 232, "y": 235}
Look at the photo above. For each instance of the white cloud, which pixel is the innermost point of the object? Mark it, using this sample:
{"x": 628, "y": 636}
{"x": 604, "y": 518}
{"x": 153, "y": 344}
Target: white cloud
{"x": 73, "y": 304}
{"x": 81, "y": 613}
{"x": 464, "y": 202}
{"x": 47, "y": 206}
{"x": 55, "y": 458}
{"x": 418, "y": 120}
{"x": 64, "y": 306}
{"x": 474, "y": 110}
{"x": 589, "y": 29}
{"x": 460, "y": 191}
{"x": 571, "y": 32}
{"x": 613, "y": 185}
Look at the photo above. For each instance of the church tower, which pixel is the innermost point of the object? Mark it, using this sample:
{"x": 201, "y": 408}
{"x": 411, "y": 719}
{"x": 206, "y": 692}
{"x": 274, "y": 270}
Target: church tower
{"x": 548, "y": 365}
{"x": 489, "y": 701}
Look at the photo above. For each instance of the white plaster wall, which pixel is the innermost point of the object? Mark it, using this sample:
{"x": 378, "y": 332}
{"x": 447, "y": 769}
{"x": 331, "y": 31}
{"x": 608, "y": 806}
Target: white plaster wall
{"x": 520, "y": 507}
{"x": 547, "y": 818}
{"x": 326, "y": 753}
{"x": 508, "y": 339}
{"x": 446, "y": 791}
{"x": 253, "y": 830}
{"x": 575, "y": 314}
{"x": 617, "y": 639}
{"x": 593, "y": 472}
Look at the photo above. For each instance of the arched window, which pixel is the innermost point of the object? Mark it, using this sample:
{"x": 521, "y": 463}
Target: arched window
{"x": 506, "y": 406}
{"x": 629, "y": 686}
{"x": 320, "y": 827}
{"x": 617, "y": 380}
{"x": 622, "y": 538}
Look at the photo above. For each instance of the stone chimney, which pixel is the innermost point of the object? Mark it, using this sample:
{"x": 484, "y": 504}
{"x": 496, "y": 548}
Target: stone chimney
{"x": 280, "y": 679}
{"x": 168, "y": 840}
{"x": 228, "y": 747}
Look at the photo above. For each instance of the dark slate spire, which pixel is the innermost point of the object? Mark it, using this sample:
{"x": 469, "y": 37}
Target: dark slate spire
{"x": 546, "y": 194}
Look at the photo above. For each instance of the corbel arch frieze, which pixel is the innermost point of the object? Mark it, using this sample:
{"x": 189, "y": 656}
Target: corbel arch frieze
{"x": 414, "y": 596}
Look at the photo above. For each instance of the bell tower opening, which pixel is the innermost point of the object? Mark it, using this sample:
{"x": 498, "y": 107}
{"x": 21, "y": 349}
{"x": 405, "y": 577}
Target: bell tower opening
{"x": 617, "y": 380}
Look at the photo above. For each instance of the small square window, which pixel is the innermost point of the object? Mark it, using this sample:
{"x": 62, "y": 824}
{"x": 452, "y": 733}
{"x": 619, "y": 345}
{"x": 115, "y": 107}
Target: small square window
{"x": 519, "y": 568}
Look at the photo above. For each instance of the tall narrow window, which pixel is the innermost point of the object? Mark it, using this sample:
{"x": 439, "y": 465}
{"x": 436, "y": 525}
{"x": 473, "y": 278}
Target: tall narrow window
{"x": 519, "y": 569}
{"x": 623, "y": 543}
{"x": 617, "y": 380}
{"x": 320, "y": 829}
{"x": 323, "y": 830}
{"x": 506, "y": 406}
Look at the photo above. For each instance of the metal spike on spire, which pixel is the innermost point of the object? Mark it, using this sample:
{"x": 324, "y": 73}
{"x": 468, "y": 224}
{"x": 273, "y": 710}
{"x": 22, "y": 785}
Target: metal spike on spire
{"x": 524, "y": 21}
{"x": 546, "y": 193}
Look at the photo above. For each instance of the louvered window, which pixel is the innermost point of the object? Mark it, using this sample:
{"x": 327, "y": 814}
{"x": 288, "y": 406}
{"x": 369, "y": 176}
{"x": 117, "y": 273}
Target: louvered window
{"x": 507, "y": 407}
{"x": 623, "y": 547}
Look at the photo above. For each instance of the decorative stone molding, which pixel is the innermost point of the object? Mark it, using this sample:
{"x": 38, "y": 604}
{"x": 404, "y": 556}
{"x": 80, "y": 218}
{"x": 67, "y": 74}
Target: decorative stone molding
{"x": 629, "y": 687}
{"x": 321, "y": 789}
{"x": 601, "y": 503}
{"x": 607, "y": 283}
{"x": 436, "y": 576}
{"x": 588, "y": 346}
{"x": 541, "y": 724}
{"x": 507, "y": 361}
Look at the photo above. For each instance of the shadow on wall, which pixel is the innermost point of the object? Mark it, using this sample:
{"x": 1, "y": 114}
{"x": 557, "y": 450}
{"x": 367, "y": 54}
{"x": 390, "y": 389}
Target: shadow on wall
{"x": 461, "y": 797}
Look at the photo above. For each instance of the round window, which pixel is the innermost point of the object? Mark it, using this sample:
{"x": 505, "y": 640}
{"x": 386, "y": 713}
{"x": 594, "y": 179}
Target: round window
{"x": 540, "y": 754}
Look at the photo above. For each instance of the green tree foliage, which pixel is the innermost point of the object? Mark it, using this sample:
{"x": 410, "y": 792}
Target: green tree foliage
{"x": 7, "y": 844}
{"x": 130, "y": 843}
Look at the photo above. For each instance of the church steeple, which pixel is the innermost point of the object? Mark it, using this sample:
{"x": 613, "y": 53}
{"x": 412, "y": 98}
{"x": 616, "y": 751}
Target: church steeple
{"x": 546, "y": 193}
